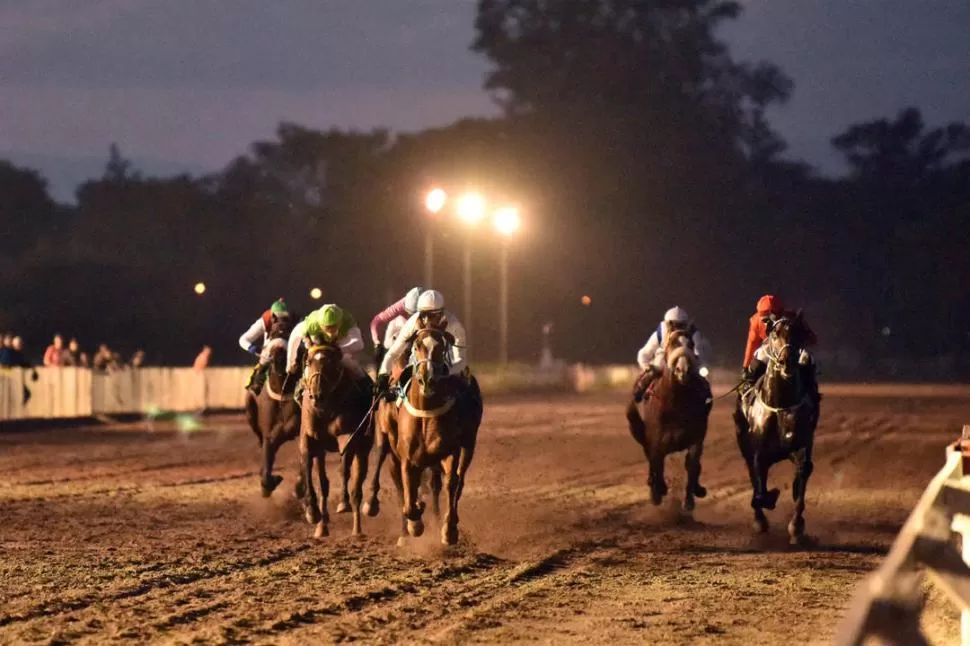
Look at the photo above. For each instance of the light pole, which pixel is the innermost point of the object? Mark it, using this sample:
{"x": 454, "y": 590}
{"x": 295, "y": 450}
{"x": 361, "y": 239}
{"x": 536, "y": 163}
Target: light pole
{"x": 471, "y": 209}
{"x": 434, "y": 201}
{"x": 507, "y": 222}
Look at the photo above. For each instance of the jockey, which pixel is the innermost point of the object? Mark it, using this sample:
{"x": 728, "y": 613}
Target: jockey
{"x": 770, "y": 307}
{"x": 652, "y": 356}
{"x": 394, "y": 317}
{"x": 431, "y": 311}
{"x": 333, "y": 325}
{"x": 254, "y": 341}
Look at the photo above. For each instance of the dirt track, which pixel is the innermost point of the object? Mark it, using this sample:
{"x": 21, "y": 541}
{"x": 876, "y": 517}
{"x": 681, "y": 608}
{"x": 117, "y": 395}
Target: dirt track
{"x": 148, "y": 533}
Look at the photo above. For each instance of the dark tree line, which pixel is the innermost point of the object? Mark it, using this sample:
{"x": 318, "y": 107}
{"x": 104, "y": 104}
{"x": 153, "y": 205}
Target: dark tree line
{"x": 648, "y": 174}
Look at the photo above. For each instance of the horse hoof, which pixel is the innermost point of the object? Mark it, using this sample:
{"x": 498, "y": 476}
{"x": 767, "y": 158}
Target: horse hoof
{"x": 343, "y": 507}
{"x": 760, "y": 526}
{"x": 322, "y": 531}
{"x": 270, "y": 485}
{"x": 415, "y": 528}
{"x": 449, "y": 536}
{"x": 371, "y": 508}
{"x": 700, "y": 492}
{"x": 312, "y": 517}
{"x": 689, "y": 504}
{"x": 402, "y": 541}
{"x": 656, "y": 497}
{"x": 796, "y": 528}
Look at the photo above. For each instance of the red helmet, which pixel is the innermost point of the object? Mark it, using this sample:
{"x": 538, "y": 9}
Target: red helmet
{"x": 769, "y": 304}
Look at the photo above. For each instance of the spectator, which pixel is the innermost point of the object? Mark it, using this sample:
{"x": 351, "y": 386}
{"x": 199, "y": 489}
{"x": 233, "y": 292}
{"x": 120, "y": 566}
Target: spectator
{"x": 7, "y": 340}
{"x": 138, "y": 359}
{"x": 104, "y": 359}
{"x": 52, "y": 356}
{"x": 15, "y": 355}
{"x": 202, "y": 361}
{"x": 6, "y": 351}
{"x": 73, "y": 356}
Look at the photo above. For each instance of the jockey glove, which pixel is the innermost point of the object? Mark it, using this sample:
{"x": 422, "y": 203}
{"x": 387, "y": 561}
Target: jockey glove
{"x": 253, "y": 349}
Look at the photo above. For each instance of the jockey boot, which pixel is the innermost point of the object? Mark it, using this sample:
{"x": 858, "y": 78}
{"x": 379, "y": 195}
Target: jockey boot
{"x": 257, "y": 379}
{"x": 642, "y": 384}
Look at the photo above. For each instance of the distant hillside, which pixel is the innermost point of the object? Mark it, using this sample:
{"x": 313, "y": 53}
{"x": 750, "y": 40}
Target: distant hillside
{"x": 63, "y": 174}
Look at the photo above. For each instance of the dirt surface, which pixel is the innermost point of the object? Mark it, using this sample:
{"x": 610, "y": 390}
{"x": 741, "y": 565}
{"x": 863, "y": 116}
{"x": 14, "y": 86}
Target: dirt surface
{"x": 150, "y": 532}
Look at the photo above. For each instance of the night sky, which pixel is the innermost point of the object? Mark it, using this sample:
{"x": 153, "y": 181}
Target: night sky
{"x": 187, "y": 84}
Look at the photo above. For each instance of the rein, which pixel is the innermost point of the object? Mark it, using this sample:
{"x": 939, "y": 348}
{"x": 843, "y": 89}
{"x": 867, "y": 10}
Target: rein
{"x": 313, "y": 379}
{"x": 432, "y": 412}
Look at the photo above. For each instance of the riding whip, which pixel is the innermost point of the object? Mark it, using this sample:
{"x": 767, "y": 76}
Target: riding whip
{"x": 370, "y": 412}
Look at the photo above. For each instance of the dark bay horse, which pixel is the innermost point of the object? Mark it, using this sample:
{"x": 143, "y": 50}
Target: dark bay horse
{"x": 776, "y": 420}
{"x": 333, "y": 409}
{"x": 672, "y": 417}
{"x": 274, "y": 415}
{"x": 435, "y": 428}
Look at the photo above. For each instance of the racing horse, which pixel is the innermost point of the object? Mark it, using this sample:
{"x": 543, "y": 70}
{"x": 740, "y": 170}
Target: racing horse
{"x": 274, "y": 415}
{"x": 776, "y": 420}
{"x": 433, "y": 427}
{"x": 332, "y": 412}
{"x": 672, "y": 417}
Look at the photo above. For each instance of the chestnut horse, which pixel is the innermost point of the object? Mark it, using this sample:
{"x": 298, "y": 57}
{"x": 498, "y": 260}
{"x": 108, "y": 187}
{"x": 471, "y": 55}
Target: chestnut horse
{"x": 776, "y": 420}
{"x": 672, "y": 417}
{"x": 435, "y": 428}
{"x": 274, "y": 415}
{"x": 332, "y": 410}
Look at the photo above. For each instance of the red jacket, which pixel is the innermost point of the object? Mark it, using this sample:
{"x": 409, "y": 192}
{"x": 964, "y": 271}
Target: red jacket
{"x": 758, "y": 332}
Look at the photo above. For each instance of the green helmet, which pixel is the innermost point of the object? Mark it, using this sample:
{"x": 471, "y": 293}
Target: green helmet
{"x": 331, "y": 315}
{"x": 279, "y": 308}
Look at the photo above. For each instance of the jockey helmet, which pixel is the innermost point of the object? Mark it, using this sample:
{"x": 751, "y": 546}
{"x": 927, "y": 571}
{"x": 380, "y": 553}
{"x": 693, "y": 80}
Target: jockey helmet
{"x": 411, "y": 300}
{"x": 431, "y": 301}
{"x": 330, "y": 315}
{"x": 279, "y": 308}
{"x": 769, "y": 304}
{"x": 676, "y": 315}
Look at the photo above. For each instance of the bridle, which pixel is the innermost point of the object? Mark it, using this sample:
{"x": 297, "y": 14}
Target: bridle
{"x": 313, "y": 378}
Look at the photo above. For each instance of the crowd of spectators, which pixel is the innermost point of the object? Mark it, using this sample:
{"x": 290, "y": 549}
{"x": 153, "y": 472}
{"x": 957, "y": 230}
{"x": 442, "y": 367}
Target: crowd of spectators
{"x": 57, "y": 355}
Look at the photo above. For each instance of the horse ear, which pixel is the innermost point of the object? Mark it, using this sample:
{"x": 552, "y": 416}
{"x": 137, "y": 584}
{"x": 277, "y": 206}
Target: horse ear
{"x": 769, "y": 324}
{"x": 450, "y": 338}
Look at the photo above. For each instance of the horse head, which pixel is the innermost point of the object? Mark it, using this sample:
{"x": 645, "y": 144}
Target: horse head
{"x": 783, "y": 344}
{"x": 324, "y": 371}
{"x": 430, "y": 347}
{"x": 681, "y": 359}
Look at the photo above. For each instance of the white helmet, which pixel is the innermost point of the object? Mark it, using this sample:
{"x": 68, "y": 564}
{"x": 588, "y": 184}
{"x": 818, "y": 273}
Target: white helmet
{"x": 411, "y": 300}
{"x": 676, "y": 315}
{"x": 430, "y": 301}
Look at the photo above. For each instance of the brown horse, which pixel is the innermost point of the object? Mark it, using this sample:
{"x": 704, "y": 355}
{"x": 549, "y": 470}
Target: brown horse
{"x": 332, "y": 410}
{"x": 274, "y": 415}
{"x": 776, "y": 420}
{"x": 672, "y": 417}
{"x": 436, "y": 429}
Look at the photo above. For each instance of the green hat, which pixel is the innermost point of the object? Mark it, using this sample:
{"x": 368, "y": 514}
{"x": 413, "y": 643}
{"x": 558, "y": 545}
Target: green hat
{"x": 279, "y": 307}
{"x": 331, "y": 315}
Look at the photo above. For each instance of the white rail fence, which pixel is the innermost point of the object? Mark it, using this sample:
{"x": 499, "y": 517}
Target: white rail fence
{"x": 888, "y": 604}
{"x": 77, "y": 392}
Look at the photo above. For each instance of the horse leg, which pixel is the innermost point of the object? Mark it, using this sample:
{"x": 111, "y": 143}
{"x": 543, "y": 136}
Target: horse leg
{"x": 323, "y": 528}
{"x": 436, "y": 492}
{"x": 412, "y": 508}
{"x": 346, "y": 462}
{"x": 311, "y": 510}
{"x": 693, "y": 465}
{"x": 373, "y": 506}
{"x": 658, "y": 487}
{"x": 358, "y": 475}
{"x": 252, "y": 417}
{"x": 449, "y": 530}
{"x": 803, "y": 470}
{"x": 269, "y": 481}
{"x": 762, "y": 498}
{"x": 396, "y": 470}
